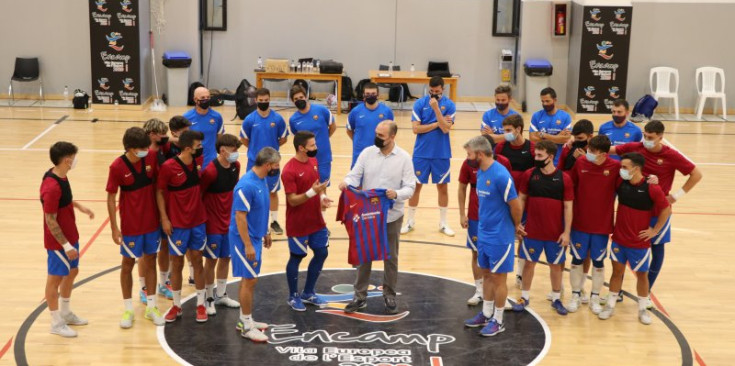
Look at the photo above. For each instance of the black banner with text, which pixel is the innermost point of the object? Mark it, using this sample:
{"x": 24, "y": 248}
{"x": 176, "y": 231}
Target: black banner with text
{"x": 603, "y": 71}
{"x": 115, "y": 50}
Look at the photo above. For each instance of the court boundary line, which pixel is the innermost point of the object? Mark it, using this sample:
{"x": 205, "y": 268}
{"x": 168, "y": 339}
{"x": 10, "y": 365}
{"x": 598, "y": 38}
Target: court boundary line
{"x": 44, "y": 132}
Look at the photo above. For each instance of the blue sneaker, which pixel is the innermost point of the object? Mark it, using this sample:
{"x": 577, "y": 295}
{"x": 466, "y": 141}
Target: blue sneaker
{"x": 521, "y": 304}
{"x": 559, "y": 307}
{"x": 478, "y": 321}
{"x": 492, "y": 328}
{"x": 163, "y": 290}
{"x": 313, "y": 299}
{"x": 296, "y": 303}
{"x": 144, "y": 296}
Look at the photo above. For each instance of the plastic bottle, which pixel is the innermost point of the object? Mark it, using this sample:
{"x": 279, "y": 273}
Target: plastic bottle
{"x": 390, "y": 68}
{"x": 298, "y": 68}
{"x": 317, "y": 67}
{"x": 260, "y": 63}
{"x": 66, "y": 93}
{"x": 413, "y": 69}
{"x": 293, "y": 66}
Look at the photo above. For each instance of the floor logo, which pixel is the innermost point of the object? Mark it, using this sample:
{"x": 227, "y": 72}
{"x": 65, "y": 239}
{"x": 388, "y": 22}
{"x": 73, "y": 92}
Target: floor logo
{"x": 428, "y": 330}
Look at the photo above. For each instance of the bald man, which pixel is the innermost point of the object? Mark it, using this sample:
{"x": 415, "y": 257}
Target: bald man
{"x": 207, "y": 121}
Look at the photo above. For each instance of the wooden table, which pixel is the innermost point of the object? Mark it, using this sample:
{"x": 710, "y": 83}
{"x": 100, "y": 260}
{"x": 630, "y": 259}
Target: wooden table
{"x": 416, "y": 77}
{"x": 262, "y": 75}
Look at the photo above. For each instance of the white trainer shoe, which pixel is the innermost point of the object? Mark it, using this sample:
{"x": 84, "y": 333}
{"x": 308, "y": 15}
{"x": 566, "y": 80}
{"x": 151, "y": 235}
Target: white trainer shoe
{"x": 594, "y": 305}
{"x": 649, "y": 305}
{"x": 63, "y": 330}
{"x": 573, "y": 304}
{"x": 73, "y": 319}
{"x": 408, "y": 227}
{"x": 254, "y": 334}
{"x": 644, "y": 317}
{"x": 508, "y": 305}
{"x": 585, "y": 299}
{"x": 446, "y": 230}
{"x": 209, "y": 305}
{"x": 606, "y": 313}
{"x": 154, "y": 315}
{"x": 476, "y": 299}
{"x": 127, "y": 319}
{"x": 226, "y": 301}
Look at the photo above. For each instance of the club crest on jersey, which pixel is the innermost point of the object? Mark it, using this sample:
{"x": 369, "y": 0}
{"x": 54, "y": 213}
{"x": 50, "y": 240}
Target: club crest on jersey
{"x": 531, "y": 251}
{"x": 443, "y": 108}
{"x": 558, "y": 121}
{"x": 606, "y": 173}
{"x": 147, "y": 168}
{"x": 374, "y": 201}
{"x": 306, "y": 242}
{"x": 474, "y": 239}
{"x": 487, "y": 182}
{"x": 273, "y": 124}
{"x": 380, "y": 115}
{"x": 255, "y": 264}
{"x": 199, "y": 167}
{"x": 214, "y": 245}
{"x": 131, "y": 244}
{"x": 616, "y": 250}
{"x": 418, "y": 172}
{"x": 178, "y": 243}
{"x": 316, "y": 117}
{"x": 578, "y": 245}
{"x": 627, "y": 134}
{"x": 211, "y": 121}
{"x": 660, "y": 161}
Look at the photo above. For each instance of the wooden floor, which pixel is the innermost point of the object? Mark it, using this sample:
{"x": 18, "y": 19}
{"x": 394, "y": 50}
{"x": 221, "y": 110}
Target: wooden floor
{"x": 695, "y": 287}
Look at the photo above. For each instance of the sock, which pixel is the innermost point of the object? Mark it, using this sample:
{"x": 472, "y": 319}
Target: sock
{"x": 292, "y": 274}
{"x": 247, "y": 321}
{"x": 411, "y": 213}
{"x": 498, "y": 315}
{"x": 598, "y": 279}
{"x": 55, "y": 317}
{"x": 200, "y": 297}
{"x": 151, "y": 303}
{"x": 162, "y": 278}
{"x": 555, "y": 296}
{"x": 642, "y": 302}
{"x": 442, "y": 216}
{"x": 526, "y": 294}
{"x": 177, "y": 298}
{"x": 128, "y": 303}
{"x": 221, "y": 287}
{"x": 581, "y": 281}
{"x": 64, "y": 305}
{"x": 487, "y": 308}
{"x": 478, "y": 286}
{"x": 519, "y": 268}
{"x": 315, "y": 268}
{"x": 274, "y": 216}
{"x": 576, "y": 276}
{"x": 209, "y": 290}
{"x": 141, "y": 280}
{"x": 612, "y": 299}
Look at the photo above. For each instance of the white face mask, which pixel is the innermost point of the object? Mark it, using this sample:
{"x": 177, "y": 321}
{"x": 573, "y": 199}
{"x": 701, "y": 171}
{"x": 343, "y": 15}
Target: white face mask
{"x": 73, "y": 163}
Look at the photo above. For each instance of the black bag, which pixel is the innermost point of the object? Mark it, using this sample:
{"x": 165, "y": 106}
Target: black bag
{"x": 438, "y": 69}
{"x": 347, "y": 93}
{"x": 245, "y": 99}
{"x": 303, "y": 84}
{"x": 330, "y": 67}
{"x": 80, "y": 100}
{"x": 360, "y": 88}
{"x": 193, "y": 87}
{"x": 394, "y": 93}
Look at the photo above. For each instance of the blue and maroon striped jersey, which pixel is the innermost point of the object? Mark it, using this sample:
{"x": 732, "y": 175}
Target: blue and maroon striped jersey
{"x": 365, "y": 216}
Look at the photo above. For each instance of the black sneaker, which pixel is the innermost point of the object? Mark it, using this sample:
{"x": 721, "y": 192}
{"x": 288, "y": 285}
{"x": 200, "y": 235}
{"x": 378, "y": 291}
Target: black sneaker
{"x": 276, "y": 228}
{"x": 390, "y": 305}
{"x": 355, "y": 305}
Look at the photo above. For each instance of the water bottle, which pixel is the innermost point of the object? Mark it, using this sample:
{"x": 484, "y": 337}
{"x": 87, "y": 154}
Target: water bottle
{"x": 116, "y": 103}
{"x": 413, "y": 69}
{"x": 317, "y": 67}
{"x": 260, "y": 63}
{"x": 298, "y": 68}
{"x": 390, "y": 68}
{"x": 293, "y": 66}
{"x": 66, "y": 93}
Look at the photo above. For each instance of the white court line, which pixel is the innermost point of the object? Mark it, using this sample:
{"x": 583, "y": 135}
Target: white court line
{"x": 47, "y": 130}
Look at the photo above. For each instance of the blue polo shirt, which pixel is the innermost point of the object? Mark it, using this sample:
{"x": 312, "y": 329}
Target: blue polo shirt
{"x": 494, "y": 120}
{"x": 621, "y": 135}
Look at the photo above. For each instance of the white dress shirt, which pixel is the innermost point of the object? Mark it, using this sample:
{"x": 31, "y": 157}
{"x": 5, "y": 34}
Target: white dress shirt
{"x": 393, "y": 171}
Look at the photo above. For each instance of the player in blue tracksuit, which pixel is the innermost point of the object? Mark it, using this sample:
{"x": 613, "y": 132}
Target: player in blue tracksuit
{"x": 550, "y": 123}
{"x": 364, "y": 118}
{"x": 620, "y": 130}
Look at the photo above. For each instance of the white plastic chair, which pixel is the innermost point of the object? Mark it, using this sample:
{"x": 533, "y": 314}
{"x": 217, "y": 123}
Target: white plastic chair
{"x": 663, "y": 86}
{"x": 709, "y": 89}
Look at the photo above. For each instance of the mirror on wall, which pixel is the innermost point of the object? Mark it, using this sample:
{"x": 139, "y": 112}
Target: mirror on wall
{"x": 214, "y": 14}
{"x": 506, "y": 15}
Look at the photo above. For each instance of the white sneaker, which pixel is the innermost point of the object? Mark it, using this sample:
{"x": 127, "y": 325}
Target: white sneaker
{"x": 595, "y": 306}
{"x": 227, "y": 302}
{"x": 573, "y": 304}
{"x": 154, "y": 315}
{"x": 644, "y": 317}
{"x": 606, "y": 313}
{"x": 508, "y": 305}
{"x": 254, "y": 335}
{"x": 209, "y": 305}
{"x": 258, "y": 325}
{"x": 585, "y": 299}
{"x": 446, "y": 230}
{"x": 63, "y": 330}
{"x": 649, "y": 305}
{"x": 73, "y": 319}
{"x": 408, "y": 227}
{"x": 127, "y": 319}
{"x": 476, "y": 299}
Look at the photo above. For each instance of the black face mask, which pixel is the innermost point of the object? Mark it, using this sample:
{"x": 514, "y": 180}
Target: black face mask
{"x": 579, "y": 145}
{"x": 300, "y": 104}
{"x": 198, "y": 152}
{"x": 549, "y": 107}
{"x": 163, "y": 141}
{"x": 379, "y": 143}
{"x": 371, "y": 99}
{"x": 263, "y": 106}
{"x": 501, "y": 107}
{"x": 474, "y": 164}
{"x": 619, "y": 119}
{"x": 204, "y": 104}
{"x": 311, "y": 153}
{"x": 273, "y": 172}
{"x": 539, "y": 163}
{"x": 436, "y": 96}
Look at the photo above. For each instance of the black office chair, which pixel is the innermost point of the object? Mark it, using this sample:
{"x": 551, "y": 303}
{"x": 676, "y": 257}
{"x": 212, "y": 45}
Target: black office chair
{"x": 390, "y": 85}
{"x": 26, "y": 70}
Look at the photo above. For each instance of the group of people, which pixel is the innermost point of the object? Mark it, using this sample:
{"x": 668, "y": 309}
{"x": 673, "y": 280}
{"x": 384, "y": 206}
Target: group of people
{"x": 185, "y": 191}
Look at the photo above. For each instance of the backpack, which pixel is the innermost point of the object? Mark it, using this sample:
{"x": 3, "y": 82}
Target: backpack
{"x": 643, "y": 109}
{"x": 347, "y": 93}
{"x": 304, "y": 85}
{"x": 245, "y": 99}
{"x": 360, "y": 87}
{"x": 394, "y": 93}
{"x": 193, "y": 87}
{"x": 80, "y": 100}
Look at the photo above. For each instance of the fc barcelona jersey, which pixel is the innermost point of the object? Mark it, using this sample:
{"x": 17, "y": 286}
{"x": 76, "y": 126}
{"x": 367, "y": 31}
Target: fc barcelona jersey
{"x": 365, "y": 216}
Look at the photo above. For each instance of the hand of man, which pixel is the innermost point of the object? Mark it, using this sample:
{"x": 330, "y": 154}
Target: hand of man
{"x": 250, "y": 252}
{"x": 342, "y": 186}
{"x": 391, "y": 194}
{"x": 647, "y": 234}
{"x": 72, "y": 254}
{"x": 579, "y": 152}
{"x": 116, "y": 236}
{"x": 166, "y": 226}
{"x": 463, "y": 222}
{"x": 564, "y": 239}
{"x": 267, "y": 241}
{"x": 433, "y": 103}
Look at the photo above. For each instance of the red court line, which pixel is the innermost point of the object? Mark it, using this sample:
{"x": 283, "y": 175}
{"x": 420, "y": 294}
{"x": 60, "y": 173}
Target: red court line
{"x": 660, "y": 307}
{"x": 6, "y": 348}
{"x": 94, "y": 236}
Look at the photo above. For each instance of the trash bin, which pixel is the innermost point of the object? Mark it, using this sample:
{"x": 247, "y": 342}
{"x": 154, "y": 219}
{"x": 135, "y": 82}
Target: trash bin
{"x": 537, "y": 78}
{"x": 177, "y": 72}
